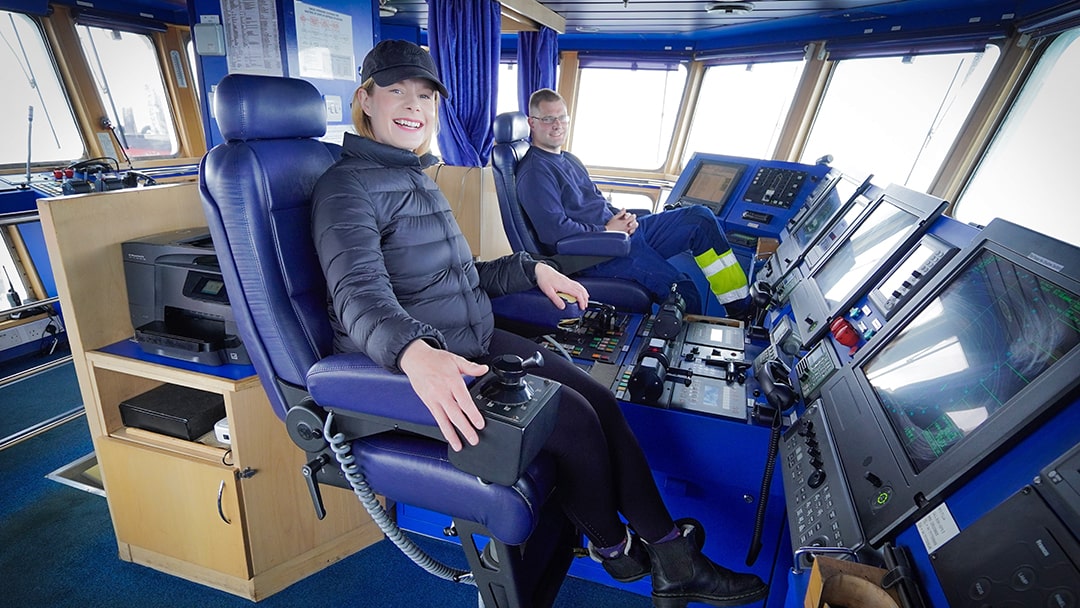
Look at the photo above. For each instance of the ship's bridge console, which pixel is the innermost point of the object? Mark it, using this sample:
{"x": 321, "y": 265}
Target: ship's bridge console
{"x": 907, "y": 396}
{"x": 753, "y": 198}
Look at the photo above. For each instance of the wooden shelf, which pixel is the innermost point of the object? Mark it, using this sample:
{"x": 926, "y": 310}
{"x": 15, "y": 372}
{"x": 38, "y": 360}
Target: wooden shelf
{"x": 235, "y": 518}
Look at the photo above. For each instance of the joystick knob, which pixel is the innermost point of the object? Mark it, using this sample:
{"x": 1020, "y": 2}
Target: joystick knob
{"x": 510, "y": 369}
{"x": 510, "y": 386}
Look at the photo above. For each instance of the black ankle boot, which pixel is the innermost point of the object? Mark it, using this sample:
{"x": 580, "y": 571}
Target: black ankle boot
{"x": 634, "y": 563}
{"x": 681, "y": 574}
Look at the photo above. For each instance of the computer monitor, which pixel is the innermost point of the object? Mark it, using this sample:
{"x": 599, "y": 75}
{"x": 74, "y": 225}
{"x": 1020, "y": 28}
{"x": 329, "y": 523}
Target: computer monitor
{"x": 819, "y": 244}
{"x": 835, "y": 198}
{"x": 713, "y": 183}
{"x": 844, "y": 189}
{"x": 987, "y": 350}
{"x": 881, "y": 235}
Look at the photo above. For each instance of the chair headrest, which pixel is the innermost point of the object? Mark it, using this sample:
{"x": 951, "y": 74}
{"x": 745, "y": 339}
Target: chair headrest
{"x": 251, "y": 107}
{"x": 510, "y": 126}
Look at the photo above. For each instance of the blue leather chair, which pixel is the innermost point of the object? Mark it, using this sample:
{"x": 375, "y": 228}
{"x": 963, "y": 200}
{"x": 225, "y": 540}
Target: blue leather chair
{"x": 574, "y": 253}
{"x": 256, "y": 191}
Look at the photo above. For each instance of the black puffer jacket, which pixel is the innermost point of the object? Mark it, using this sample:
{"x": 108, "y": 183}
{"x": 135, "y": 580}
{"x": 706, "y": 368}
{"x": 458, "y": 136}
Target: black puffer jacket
{"x": 396, "y": 264}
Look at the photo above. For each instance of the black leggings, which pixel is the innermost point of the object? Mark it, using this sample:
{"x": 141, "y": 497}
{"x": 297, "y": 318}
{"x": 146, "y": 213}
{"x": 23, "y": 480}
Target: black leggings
{"x": 600, "y": 466}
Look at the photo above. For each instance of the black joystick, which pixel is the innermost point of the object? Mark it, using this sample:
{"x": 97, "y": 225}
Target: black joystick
{"x": 510, "y": 387}
{"x": 669, "y": 319}
{"x": 761, "y": 298}
{"x": 519, "y": 412}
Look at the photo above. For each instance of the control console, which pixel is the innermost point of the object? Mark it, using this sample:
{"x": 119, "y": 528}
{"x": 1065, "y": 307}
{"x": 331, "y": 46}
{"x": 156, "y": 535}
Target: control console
{"x": 820, "y": 513}
{"x": 696, "y": 364}
{"x": 602, "y": 335}
{"x": 519, "y": 410}
{"x": 815, "y": 368}
{"x": 776, "y": 186}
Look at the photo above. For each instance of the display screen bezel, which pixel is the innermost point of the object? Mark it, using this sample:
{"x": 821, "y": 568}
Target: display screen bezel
{"x": 737, "y": 170}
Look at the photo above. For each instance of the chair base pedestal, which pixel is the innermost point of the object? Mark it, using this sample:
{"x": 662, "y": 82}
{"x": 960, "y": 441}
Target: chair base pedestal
{"x": 521, "y": 576}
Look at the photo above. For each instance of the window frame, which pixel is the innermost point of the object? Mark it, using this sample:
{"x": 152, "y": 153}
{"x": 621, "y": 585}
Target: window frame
{"x": 685, "y": 153}
{"x": 98, "y": 70}
{"x": 931, "y": 175}
{"x": 41, "y": 117}
{"x": 1014, "y": 100}
{"x": 573, "y": 143}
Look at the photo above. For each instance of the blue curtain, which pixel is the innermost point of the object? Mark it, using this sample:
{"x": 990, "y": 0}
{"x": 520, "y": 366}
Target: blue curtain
{"x": 538, "y": 57}
{"x": 463, "y": 36}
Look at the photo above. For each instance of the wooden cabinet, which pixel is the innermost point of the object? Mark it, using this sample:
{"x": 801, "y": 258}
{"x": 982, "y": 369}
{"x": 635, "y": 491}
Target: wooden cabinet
{"x": 237, "y": 517}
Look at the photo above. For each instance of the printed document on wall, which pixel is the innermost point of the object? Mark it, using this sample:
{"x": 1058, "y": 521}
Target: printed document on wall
{"x": 325, "y": 42}
{"x": 251, "y": 37}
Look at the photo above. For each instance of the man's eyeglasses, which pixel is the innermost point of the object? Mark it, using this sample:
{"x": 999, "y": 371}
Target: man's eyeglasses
{"x": 550, "y": 120}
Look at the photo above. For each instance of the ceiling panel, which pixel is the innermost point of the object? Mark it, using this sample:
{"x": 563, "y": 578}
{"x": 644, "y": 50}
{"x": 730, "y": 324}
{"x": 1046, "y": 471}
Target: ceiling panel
{"x": 660, "y": 17}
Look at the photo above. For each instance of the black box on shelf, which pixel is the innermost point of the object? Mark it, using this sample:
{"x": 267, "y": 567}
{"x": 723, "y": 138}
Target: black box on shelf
{"x": 177, "y": 411}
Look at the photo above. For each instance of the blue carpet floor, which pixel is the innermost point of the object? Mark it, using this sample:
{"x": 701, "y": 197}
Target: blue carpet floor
{"x": 57, "y": 549}
{"x": 37, "y": 398}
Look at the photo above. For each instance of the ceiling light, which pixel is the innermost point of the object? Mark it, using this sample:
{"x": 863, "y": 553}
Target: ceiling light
{"x": 730, "y": 8}
{"x": 385, "y": 10}
{"x": 587, "y": 29}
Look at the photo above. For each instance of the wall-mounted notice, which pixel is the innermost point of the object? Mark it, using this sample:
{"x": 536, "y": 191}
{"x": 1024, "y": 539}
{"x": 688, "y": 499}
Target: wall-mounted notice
{"x": 251, "y": 36}
{"x": 325, "y": 42}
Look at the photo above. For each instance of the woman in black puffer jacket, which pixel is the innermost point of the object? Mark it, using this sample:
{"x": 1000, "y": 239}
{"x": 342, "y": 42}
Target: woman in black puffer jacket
{"x": 405, "y": 291}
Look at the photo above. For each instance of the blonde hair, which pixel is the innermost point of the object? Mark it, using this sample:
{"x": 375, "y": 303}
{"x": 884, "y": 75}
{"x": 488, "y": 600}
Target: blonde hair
{"x": 362, "y": 122}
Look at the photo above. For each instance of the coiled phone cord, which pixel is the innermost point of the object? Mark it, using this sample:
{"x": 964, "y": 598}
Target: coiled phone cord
{"x": 343, "y": 453}
{"x": 766, "y": 481}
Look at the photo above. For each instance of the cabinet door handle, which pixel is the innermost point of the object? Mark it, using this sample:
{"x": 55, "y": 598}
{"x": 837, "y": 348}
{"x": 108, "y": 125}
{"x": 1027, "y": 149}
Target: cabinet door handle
{"x": 220, "y": 511}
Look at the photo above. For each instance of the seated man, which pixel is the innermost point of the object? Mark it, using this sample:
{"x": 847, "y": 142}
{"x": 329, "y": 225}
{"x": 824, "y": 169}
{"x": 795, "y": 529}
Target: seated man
{"x": 560, "y": 200}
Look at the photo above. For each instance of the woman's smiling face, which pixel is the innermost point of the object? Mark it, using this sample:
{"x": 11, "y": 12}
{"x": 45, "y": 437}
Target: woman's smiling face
{"x": 401, "y": 114}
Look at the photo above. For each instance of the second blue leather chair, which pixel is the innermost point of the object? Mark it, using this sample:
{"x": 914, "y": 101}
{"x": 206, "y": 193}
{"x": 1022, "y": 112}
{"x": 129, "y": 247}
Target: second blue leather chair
{"x": 511, "y": 142}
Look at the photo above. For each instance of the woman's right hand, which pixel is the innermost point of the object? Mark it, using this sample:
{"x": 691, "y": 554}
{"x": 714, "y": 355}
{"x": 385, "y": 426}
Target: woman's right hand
{"x": 435, "y": 375}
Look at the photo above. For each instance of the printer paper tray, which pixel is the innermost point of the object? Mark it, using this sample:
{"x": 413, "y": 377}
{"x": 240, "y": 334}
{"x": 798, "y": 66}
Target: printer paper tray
{"x": 154, "y": 338}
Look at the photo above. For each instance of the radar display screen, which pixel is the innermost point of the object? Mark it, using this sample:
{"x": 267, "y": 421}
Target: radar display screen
{"x": 992, "y": 331}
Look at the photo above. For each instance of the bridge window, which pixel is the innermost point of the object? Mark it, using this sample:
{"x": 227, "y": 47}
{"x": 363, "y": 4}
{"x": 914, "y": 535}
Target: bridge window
{"x": 625, "y": 117}
{"x": 132, "y": 89}
{"x": 508, "y": 89}
{"x": 897, "y": 117}
{"x": 741, "y": 109}
{"x": 1028, "y": 175}
{"x": 31, "y": 80}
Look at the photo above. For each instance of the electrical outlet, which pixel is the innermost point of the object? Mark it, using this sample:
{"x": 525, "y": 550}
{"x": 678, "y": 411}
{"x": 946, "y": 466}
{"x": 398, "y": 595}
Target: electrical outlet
{"x": 10, "y": 338}
{"x": 21, "y": 334}
{"x": 33, "y": 331}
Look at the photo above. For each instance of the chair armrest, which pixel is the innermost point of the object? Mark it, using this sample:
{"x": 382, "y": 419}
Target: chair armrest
{"x": 533, "y": 308}
{"x": 352, "y": 382}
{"x": 640, "y": 212}
{"x": 610, "y": 243}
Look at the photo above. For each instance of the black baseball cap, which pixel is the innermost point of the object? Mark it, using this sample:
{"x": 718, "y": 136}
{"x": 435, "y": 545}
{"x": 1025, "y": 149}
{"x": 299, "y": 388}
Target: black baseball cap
{"x": 395, "y": 60}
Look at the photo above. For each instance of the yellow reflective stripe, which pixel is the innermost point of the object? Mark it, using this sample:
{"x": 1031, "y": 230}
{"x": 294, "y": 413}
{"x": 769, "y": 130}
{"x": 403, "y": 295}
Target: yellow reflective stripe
{"x": 708, "y": 258}
{"x": 726, "y": 278}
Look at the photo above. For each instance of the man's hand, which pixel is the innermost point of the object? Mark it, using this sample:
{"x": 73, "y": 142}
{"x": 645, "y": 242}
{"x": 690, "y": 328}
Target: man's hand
{"x": 623, "y": 221}
{"x": 552, "y": 283}
{"x": 435, "y": 375}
